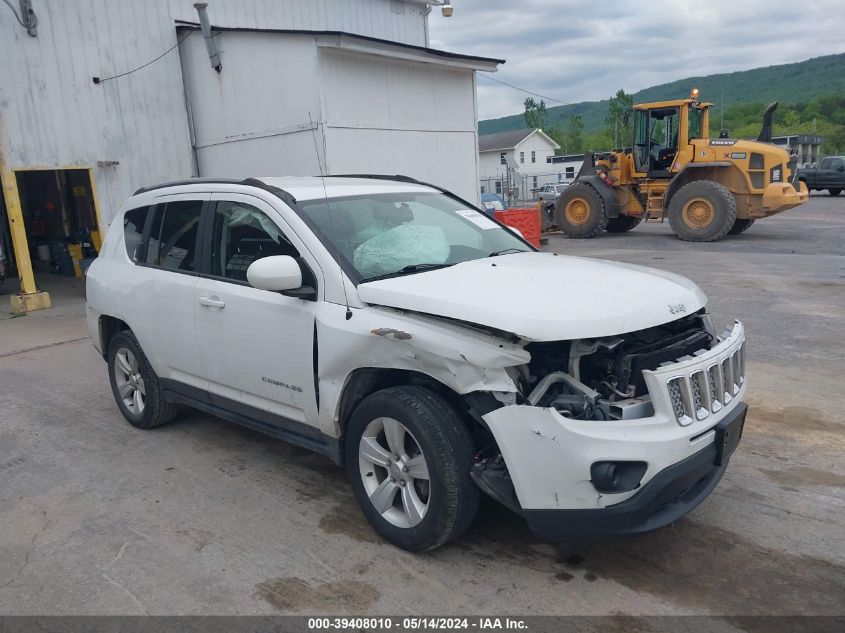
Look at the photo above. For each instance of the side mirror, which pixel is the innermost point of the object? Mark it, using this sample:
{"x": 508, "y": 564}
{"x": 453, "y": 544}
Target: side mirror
{"x": 842, "y": 168}
{"x": 276, "y": 273}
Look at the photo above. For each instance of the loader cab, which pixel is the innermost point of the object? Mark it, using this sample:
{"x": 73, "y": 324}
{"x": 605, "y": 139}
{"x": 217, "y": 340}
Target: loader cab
{"x": 663, "y": 132}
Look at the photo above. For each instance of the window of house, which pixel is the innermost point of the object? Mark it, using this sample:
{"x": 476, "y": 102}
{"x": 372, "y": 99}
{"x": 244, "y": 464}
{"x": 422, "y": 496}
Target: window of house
{"x": 499, "y": 187}
{"x": 502, "y": 159}
{"x": 534, "y": 182}
{"x": 533, "y": 156}
{"x": 173, "y": 235}
{"x": 241, "y": 235}
{"x": 570, "y": 173}
{"x": 483, "y": 190}
{"x": 522, "y": 157}
{"x": 133, "y": 232}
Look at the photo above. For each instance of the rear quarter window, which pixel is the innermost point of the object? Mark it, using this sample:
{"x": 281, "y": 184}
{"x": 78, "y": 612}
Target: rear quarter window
{"x": 133, "y": 231}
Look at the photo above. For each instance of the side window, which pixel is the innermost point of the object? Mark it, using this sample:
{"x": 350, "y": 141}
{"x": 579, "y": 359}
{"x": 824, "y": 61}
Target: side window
{"x": 133, "y": 231}
{"x": 241, "y": 235}
{"x": 836, "y": 163}
{"x": 827, "y": 163}
{"x": 173, "y": 235}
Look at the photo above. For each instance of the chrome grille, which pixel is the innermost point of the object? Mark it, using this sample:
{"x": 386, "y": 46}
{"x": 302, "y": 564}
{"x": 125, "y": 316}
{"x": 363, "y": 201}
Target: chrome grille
{"x": 706, "y": 390}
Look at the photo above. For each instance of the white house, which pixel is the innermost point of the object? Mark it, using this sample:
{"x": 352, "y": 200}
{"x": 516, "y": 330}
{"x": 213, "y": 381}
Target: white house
{"x": 515, "y": 160}
{"x": 102, "y": 97}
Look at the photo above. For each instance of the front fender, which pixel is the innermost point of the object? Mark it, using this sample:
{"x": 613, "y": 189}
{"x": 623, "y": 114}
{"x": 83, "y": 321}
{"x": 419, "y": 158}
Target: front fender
{"x": 459, "y": 357}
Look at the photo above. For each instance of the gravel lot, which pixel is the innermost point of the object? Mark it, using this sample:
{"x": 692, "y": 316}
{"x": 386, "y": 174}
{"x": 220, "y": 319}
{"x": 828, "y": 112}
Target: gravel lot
{"x": 201, "y": 516}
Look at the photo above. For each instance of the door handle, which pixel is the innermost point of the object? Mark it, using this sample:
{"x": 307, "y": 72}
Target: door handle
{"x": 212, "y": 302}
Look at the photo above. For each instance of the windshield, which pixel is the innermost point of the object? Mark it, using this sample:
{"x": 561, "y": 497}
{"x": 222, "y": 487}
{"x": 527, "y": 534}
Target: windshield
{"x": 385, "y": 235}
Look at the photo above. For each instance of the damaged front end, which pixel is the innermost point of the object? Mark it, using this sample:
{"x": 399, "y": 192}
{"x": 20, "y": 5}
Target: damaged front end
{"x": 598, "y": 424}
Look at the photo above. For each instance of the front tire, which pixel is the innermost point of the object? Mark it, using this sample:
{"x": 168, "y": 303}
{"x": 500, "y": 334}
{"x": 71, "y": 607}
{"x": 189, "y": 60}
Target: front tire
{"x": 580, "y": 212}
{"x": 408, "y": 457}
{"x": 623, "y": 223}
{"x": 702, "y": 211}
{"x": 135, "y": 386}
{"x": 834, "y": 192}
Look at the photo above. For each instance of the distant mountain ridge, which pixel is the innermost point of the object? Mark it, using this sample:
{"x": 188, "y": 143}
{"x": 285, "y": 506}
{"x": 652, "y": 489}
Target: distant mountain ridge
{"x": 787, "y": 83}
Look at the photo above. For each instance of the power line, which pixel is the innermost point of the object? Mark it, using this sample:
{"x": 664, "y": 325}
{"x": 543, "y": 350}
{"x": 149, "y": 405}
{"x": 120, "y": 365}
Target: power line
{"x": 528, "y": 92}
{"x": 97, "y": 80}
{"x": 584, "y": 109}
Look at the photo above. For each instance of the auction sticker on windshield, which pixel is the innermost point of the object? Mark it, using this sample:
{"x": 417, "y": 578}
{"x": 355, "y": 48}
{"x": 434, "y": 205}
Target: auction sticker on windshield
{"x": 479, "y": 219}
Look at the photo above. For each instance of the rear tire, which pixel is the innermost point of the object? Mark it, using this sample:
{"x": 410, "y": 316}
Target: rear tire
{"x": 135, "y": 386}
{"x": 580, "y": 212}
{"x": 741, "y": 226}
{"x": 702, "y": 211}
{"x": 834, "y": 192}
{"x": 430, "y": 504}
{"x": 623, "y": 223}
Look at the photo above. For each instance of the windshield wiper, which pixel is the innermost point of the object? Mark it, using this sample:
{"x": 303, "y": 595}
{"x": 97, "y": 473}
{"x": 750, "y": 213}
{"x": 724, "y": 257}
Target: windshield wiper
{"x": 407, "y": 270}
{"x": 506, "y": 251}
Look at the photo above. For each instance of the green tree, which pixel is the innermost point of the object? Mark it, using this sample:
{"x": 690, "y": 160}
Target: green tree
{"x": 535, "y": 114}
{"x": 617, "y": 107}
{"x": 573, "y": 136}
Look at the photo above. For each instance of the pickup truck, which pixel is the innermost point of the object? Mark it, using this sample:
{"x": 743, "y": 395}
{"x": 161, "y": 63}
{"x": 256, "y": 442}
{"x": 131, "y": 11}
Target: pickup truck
{"x": 830, "y": 175}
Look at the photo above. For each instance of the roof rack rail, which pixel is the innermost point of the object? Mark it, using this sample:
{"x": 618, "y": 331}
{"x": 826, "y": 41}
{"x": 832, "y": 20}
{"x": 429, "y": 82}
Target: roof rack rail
{"x": 188, "y": 181}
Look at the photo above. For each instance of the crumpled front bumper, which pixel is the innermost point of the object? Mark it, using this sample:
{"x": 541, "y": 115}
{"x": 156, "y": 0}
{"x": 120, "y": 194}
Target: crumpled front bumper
{"x": 669, "y": 495}
{"x": 549, "y": 456}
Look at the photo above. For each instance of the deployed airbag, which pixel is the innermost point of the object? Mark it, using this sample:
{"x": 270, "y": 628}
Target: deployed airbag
{"x": 401, "y": 246}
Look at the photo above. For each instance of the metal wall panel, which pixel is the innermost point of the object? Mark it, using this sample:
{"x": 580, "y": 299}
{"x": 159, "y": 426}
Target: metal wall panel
{"x": 53, "y": 115}
{"x": 282, "y": 100}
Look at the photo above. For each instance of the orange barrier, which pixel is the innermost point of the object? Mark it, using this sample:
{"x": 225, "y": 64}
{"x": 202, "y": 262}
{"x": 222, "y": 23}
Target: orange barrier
{"x": 526, "y": 220}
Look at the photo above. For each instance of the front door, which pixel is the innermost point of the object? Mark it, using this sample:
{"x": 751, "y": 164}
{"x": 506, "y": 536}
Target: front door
{"x": 257, "y": 346}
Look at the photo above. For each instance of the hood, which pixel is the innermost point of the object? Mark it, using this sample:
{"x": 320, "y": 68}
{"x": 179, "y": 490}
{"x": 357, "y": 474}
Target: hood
{"x": 543, "y": 296}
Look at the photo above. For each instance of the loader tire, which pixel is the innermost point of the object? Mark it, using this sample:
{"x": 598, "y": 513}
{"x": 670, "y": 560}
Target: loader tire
{"x": 580, "y": 212}
{"x": 834, "y": 192}
{"x": 623, "y": 223}
{"x": 741, "y": 226}
{"x": 702, "y": 211}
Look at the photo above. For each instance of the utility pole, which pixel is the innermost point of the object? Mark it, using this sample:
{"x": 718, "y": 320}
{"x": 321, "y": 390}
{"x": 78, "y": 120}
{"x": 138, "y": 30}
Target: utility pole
{"x": 616, "y": 130}
{"x": 722, "y": 113}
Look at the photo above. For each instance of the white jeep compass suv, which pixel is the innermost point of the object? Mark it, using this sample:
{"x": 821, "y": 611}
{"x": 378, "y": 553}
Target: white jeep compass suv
{"x": 428, "y": 349}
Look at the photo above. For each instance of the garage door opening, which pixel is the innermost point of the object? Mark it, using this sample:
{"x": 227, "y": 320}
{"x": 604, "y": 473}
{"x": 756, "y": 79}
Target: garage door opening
{"x": 59, "y": 216}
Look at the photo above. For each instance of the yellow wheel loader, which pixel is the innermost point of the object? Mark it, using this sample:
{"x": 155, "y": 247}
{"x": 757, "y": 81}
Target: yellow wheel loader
{"x": 707, "y": 188}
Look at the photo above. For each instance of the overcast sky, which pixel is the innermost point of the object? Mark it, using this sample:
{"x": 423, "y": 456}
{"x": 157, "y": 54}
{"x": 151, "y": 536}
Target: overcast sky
{"x": 579, "y": 50}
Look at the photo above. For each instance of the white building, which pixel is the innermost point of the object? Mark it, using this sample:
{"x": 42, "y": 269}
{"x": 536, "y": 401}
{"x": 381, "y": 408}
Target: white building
{"x": 565, "y": 167}
{"x": 352, "y": 82}
{"x": 516, "y": 161}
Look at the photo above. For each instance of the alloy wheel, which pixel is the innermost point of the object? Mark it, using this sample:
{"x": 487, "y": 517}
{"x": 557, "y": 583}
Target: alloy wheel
{"x": 129, "y": 382}
{"x": 394, "y": 472}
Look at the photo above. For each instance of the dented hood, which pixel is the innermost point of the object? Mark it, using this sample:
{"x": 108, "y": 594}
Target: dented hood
{"x": 542, "y": 296}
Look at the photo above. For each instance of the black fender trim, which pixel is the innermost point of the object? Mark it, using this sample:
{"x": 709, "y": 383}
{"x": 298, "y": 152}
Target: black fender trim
{"x": 611, "y": 207}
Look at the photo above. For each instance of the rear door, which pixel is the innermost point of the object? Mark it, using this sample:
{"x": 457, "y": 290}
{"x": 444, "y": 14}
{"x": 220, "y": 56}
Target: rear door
{"x": 161, "y": 308}
{"x": 257, "y": 346}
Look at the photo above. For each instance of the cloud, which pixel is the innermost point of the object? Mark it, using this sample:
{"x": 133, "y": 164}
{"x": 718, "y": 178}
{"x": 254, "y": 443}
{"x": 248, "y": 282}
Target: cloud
{"x": 574, "y": 50}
